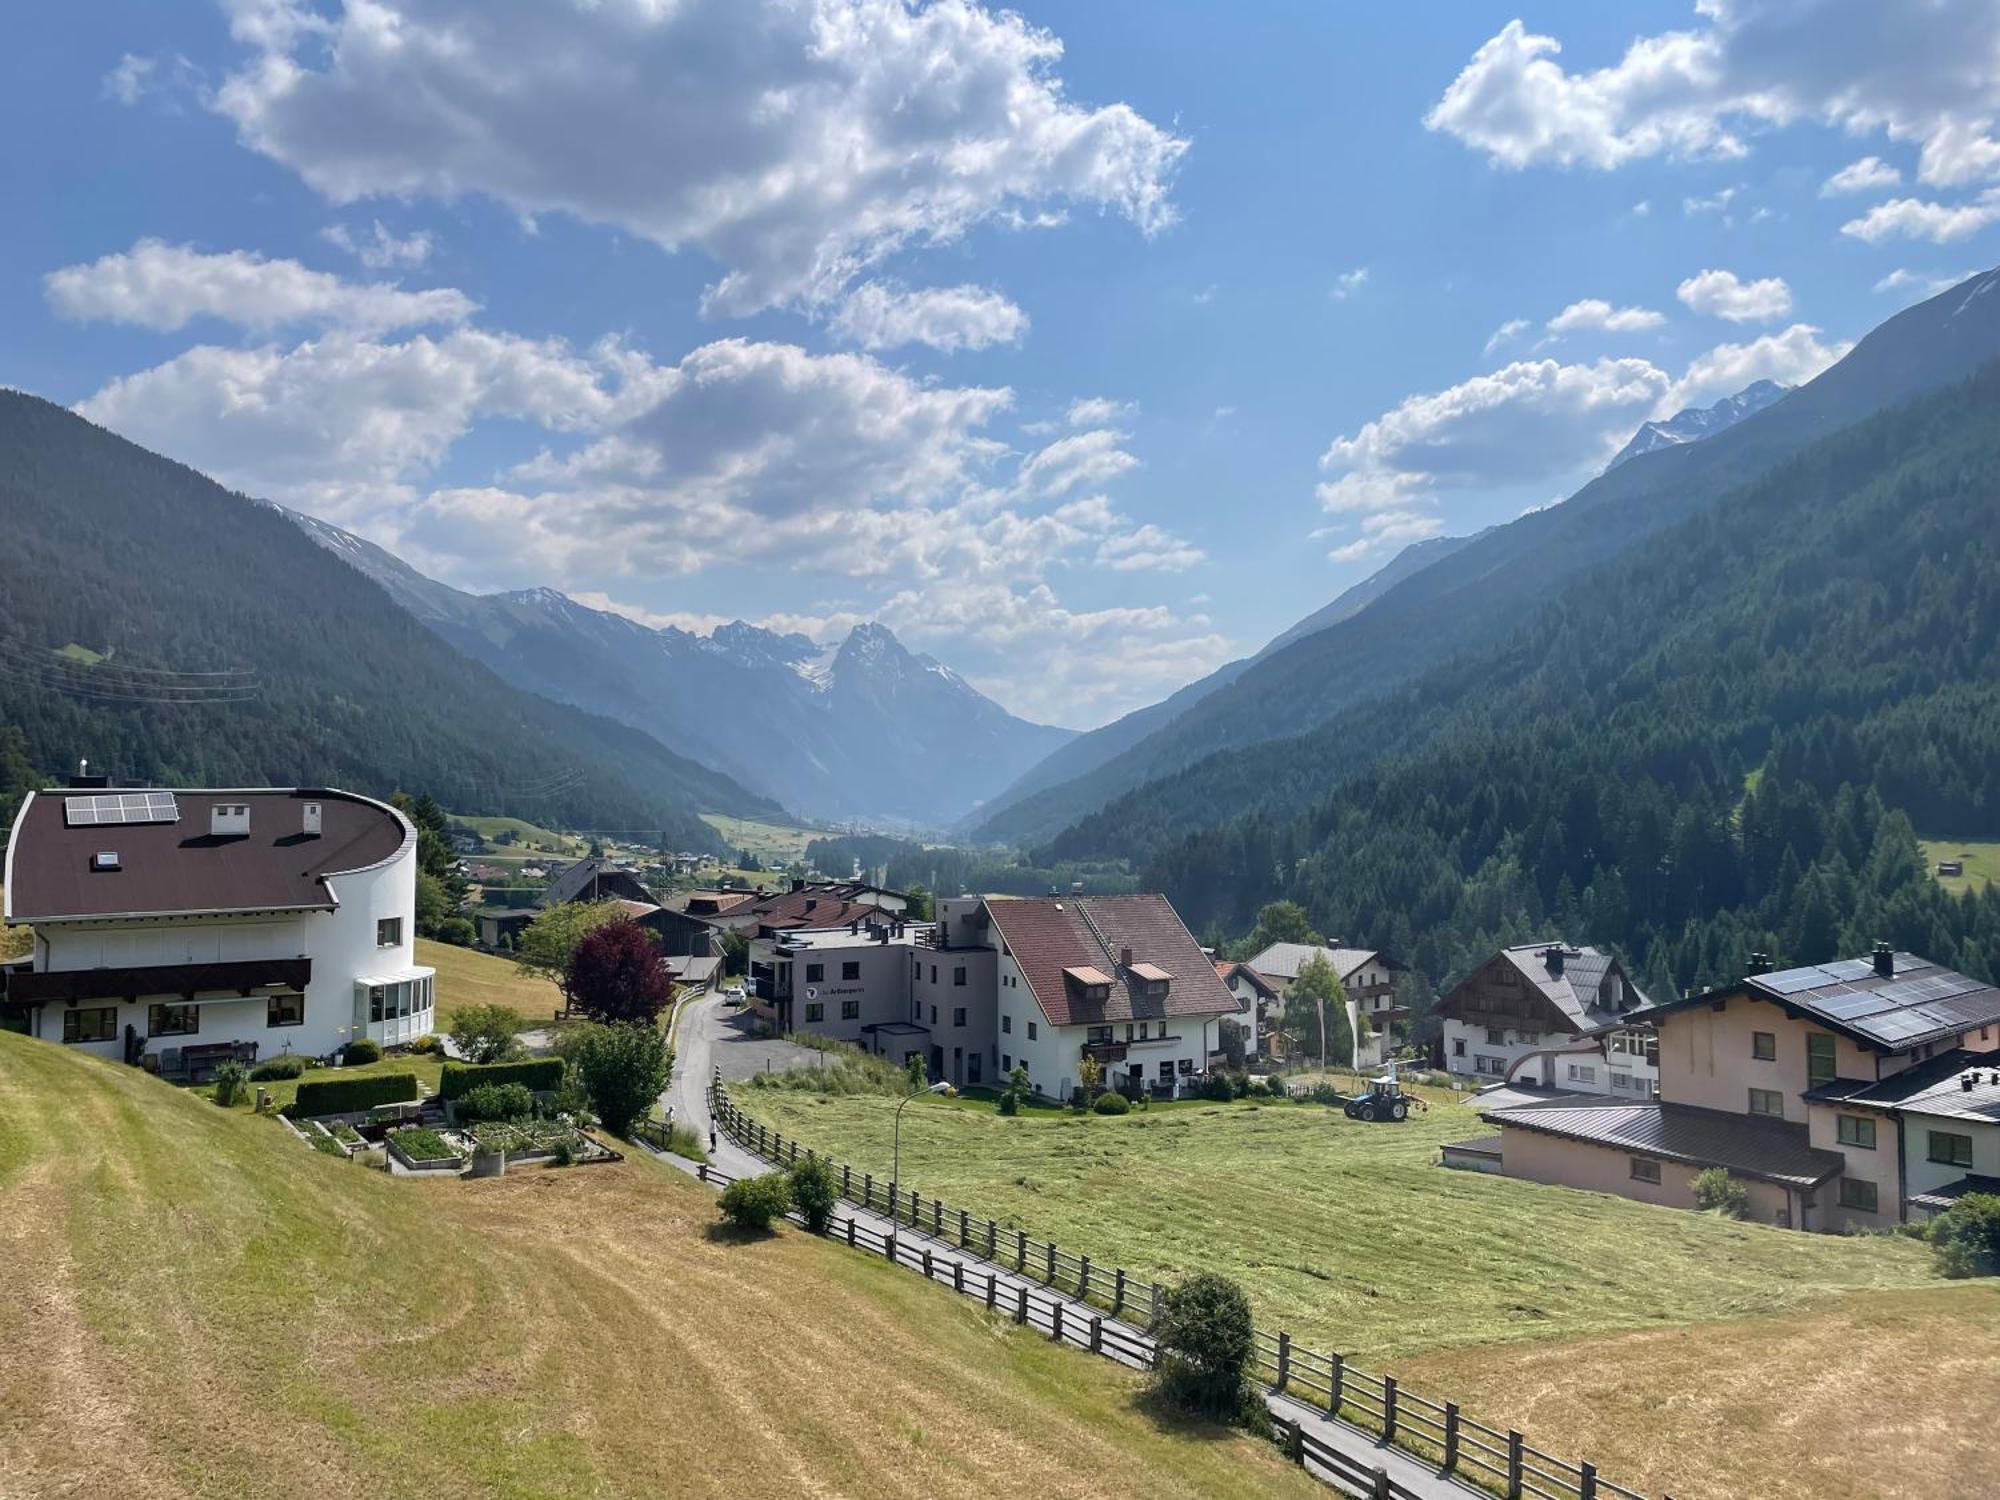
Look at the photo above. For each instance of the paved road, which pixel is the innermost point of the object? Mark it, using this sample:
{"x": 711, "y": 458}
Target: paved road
{"x": 712, "y": 1034}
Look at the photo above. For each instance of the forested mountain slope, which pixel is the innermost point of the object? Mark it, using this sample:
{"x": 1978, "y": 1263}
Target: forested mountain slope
{"x": 127, "y": 577}
{"x": 1480, "y": 592}
{"x": 1712, "y": 745}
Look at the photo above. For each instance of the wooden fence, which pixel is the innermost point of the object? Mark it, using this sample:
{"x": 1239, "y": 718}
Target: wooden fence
{"x": 1500, "y": 1461}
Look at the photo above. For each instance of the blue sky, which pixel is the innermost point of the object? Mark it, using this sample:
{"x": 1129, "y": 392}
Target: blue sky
{"x": 1086, "y": 349}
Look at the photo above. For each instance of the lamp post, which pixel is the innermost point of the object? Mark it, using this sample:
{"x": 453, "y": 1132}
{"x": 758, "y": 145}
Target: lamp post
{"x": 896, "y": 1176}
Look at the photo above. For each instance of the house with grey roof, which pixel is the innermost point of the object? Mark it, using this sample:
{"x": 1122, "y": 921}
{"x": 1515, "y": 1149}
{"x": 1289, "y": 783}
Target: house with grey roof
{"x": 1367, "y": 974}
{"x": 1552, "y": 1015}
{"x": 1849, "y": 1095}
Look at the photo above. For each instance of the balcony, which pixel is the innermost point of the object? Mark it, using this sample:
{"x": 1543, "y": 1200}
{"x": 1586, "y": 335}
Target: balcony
{"x": 1105, "y": 1052}
{"x": 185, "y": 980}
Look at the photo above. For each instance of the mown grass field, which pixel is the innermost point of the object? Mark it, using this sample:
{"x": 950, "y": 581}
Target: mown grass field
{"x": 1981, "y": 860}
{"x": 198, "y": 1306}
{"x": 533, "y": 837}
{"x": 772, "y": 843}
{"x": 466, "y": 977}
{"x": 1524, "y": 1303}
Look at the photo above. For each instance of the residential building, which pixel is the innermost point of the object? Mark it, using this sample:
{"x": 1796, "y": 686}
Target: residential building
{"x": 1368, "y": 976}
{"x": 842, "y": 981}
{"x": 1553, "y": 1015}
{"x": 1849, "y": 1095}
{"x": 595, "y": 878}
{"x": 1256, "y": 998}
{"x": 177, "y": 929}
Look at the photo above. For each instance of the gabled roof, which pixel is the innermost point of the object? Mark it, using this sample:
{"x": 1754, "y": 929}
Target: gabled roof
{"x": 1917, "y": 1002}
{"x": 1573, "y": 990}
{"x": 1227, "y": 971}
{"x": 1958, "y": 1083}
{"x": 180, "y": 868}
{"x": 1282, "y": 961}
{"x": 810, "y": 907}
{"x": 611, "y": 881}
{"x": 1772, "y": 1150}
{"x": 1049, "y": 936}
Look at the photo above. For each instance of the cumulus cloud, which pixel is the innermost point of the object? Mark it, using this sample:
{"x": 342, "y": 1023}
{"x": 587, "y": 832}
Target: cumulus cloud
{"x": 1917, "y": 70}
{"x": 1791, "y": 357}
{"x": 794, "y": 144}
{"x": 1917, "y": 219}
{"x": 164, "y": 287}
{"x": 1082, "y": 460}
{"x": 882, "y": 315}
{"x": 1594, "y": 314}
{"x": 1863, "y": 176}
{"x": 379, "y": 250}
{"x": 1723, "y": 294}
{"x": 1347, "y": 283}
{"x": 1098, "y": 411}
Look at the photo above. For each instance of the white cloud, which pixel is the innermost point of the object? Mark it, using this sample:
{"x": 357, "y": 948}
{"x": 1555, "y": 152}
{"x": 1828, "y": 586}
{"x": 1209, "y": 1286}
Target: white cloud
{"x": 1715, "y": 203}
{"x": 379, "y": 250}
{"x": 796, "y": 146}
{"x": 1864, "y": 176}
{"x": 1506, "y": 333}
{"x": 1083, "y": 460}
{"x": 1916, "y": 219}
{"x": 137, "y": 77}
{"x": 1148, "y": 548}
{"x": 128, "y": 82}
{"x": 882, "y": 315}
{"x": 1098, "y": 411}
{"x": 1791, "y": 357}
{"x": 1347, "y": 283}
{"x": 1920, "y": 284}
{"x": 1723, "y": 294}
{"x": 1595, "y": 314}
{"x": 165, "y": 287}
{"x": 1386, "y": 529}
{"x": 1916, "y": 70}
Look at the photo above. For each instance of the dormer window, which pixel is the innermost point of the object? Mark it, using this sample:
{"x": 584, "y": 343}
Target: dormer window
{"x": 105, "y": 859}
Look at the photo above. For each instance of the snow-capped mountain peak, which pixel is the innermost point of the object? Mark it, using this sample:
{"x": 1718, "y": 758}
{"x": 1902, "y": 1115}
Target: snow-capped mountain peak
{"x": 1699, "y": 422}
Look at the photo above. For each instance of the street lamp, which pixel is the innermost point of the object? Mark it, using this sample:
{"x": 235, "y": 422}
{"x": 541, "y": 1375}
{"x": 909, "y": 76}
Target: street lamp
{"x": 896, "y": 1176}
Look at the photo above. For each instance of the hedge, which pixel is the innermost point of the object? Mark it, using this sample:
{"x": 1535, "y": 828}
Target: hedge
{"x": 341, "y": 1096}
{"x": 543, "y": 1075}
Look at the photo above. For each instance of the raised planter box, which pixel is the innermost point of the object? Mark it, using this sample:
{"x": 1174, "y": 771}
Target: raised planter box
{"x": 413, "y": 1163}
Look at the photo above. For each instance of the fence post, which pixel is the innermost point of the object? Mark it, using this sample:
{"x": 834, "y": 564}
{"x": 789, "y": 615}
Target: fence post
{"x": 763, "y": 1144}
{"x": 850, "y": 1231}
{"x": 1284, "y": 1360}
{"x": 1051, "y": 1278}
{"x": 1096, "y": 1335}
{"x": 889, "y": 1245}
{"x": 778, "y": 1144}
{"x": 1337, "y": 1384}
{"x": 937, "y": 1216}
{"x": 1378, "y": 1488}
{"x": 1021, "y": 1308}
{"x": 991, "y": 1231}
{"x": 1057, "y": 1321}
{"x": 846, "y": 1181}
{"x": 1118, "y": 1292}
{"x": 927, "y": 1263}
{"x": 1020, "y": 1251}
{"x": 701, "y": 1171}
{"x": 1513, "y": 1466}
{"x": 992, "y": 1290}
{"x": 1083, "y": 1280}
{"x": 1295, "y": 1442}
{"x": 1450, "y": 1436}
{"x": 1389, "y": 1408}
{"x": 958, "y": 1277}
{"x": 868, "y": 1190}
{"x": 1153, "y": 1319}
{"x": 964, "y": 1229}
{"x": 1587, "y": 1487}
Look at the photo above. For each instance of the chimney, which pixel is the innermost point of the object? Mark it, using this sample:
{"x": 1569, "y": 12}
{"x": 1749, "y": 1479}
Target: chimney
{"x": 309, "y": 820}
{"x": 1885, "y": 960}
{"x": 1553, "y": 957}
{"x": 797, "y": 884}
{"x": 1760, "y": 963}
{"x": 84, "y": 778}
{"x": 1966, "y": 1081}
{"x": 1124, "y": 958}
{"x": 229, "y": 819}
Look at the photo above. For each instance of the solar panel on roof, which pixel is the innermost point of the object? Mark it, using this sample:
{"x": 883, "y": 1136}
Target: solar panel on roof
{"x": 1851, "y": 1003}
{"x": 1792, "y": 981}
{"x": 1896, "y": 1026}
{"x": 103, "y": 808}
{"x": 1849, "y": 968}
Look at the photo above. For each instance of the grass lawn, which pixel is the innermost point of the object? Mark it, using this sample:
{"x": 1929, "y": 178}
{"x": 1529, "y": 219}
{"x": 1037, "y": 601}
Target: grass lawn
{"x": 533, "y": 837}
{"x": 427, "y": 1066}
{"x": 1982, "y": 862}
{"x": 198, "y": 1305}
{"x": 772, "y": 843}
{"x": 466, "y": 976}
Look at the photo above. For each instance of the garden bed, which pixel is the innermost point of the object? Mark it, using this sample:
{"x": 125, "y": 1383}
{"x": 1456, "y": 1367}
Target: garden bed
{"x": 538, "y": 1140}
{"x": 418, "y": 1148}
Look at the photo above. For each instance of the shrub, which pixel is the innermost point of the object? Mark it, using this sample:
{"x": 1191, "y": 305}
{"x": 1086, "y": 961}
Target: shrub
{"x": 1717, "y": 1191}
{"x": 813, "y": 1192}
{"x": 624, "y": 1069}
{"x": 1205, "y": 1343}
{"x": 231, "y": 1081}
{"x": 487, "y": 1033}
{"x": 753, "y": 1202}
{"x": 541, "y": 1075}
{"x": 685, "y": 1140}
{"x": 288, "y": 1065}
{"x": 565, "y": 1152}
{"x": 1218, "y": 1087}
{"x": 1966, "y": 1236}
{"x": 426, "y": 1044}
{"x": 495, "y": 1101}
{"x": 1016, "y": 1092}
{"x": 1112, "y": 1104}
{"x": 341, "y": 1096}
{"x": 360, "y": 1052}
{"x": 615, "y": 974}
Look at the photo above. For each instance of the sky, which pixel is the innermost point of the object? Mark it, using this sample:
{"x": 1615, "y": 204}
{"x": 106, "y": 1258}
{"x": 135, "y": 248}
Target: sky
{"x": 1086, "y": 345}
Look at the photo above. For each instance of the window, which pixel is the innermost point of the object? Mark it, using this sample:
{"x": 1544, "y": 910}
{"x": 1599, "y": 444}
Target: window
{"x": 1187, "y": 1065}
{"x": 285, "y": 1010}
{"x": 1855, "y": 1130}
{"x": 934, "y": 1016}
{"x": 850, "y": 971}
{"x": 815, "y": 1011}
{"x": 394, "y": 1002}
{"x": 850, "y": 1010}
{"x": 1819, "y": 1058}
{"x": 1007, "y": 1025}
{"x": 933, "y": 973}
{"x": 1767, "y": 1102}
{"x": 172, "y": 1020}
{"x": 916, "y": 1010}
{"x": 1142, "y": 1031}
{"x": 1950, "y": 1149}
{"x": 1458, "y": 1046}
{"x": 1495, "y": 1037}
{"x": 958, "y": 1015}
{"x": 1098, "y": 1036}
{"x": 1495, "y": 1066}
{"x": 1006, "y": 1062}
{"x": 1167, "y": 1072}
{"x": 1621, "y": 1080}
{"x": 815, "y": 973}
{"x": 97, "y": 1024}
{"x": 1645, "y": 1169}
{"x": 1579, "y": 1073}
{"x": 958, "y": 976}
{"x": 1854, "y": 1193}
{"x": 1764, "y": 1046}
{"x": 1031, "y": 1031}
{"x": 389, "y": 932}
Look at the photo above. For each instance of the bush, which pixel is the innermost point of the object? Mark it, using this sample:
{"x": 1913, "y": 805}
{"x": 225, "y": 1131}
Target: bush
{"x": 289, "y": 1065}
{"x": 1205, "y": 1343}
{"x": 1016, "y": 1093}
{"x": 1716, "y": 1191}
{"x": 232, "y": 1079}
{"x": 360, "y": 1052}
{"x": 814, "y": 1192}
{"x": 1966, "y": 1237}
{"x": 426, "y": 1044}
{"x": 457, "y": 931}
{"x": 1112, "y": 1104}
{"x": 495, "y": 1101}
{"x": 343, "y": 1096}
{"x": 540, "y": 1075}
{"x": 624, "y": 1069}
{"x": 615, "y": 975}
{"x": 487, "y": 1033}
{"x": 753, "y": 1202}
{"x": 1218, "y": 1087}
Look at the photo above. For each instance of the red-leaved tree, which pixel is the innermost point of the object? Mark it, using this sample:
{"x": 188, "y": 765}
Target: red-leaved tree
{"x": 615, "y": 974}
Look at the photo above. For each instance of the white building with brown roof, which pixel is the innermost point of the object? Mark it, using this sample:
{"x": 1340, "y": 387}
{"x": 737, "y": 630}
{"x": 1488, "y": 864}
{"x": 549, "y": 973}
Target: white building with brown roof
{"x": 1550, "y": 1014}
{"x": 176, "y": 929}
{"x": 1367, "y": 974}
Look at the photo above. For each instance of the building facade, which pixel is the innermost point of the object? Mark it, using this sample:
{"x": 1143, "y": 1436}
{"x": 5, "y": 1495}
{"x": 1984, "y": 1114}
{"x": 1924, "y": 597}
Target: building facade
{"x": 174, "y": 929}
{"x": 1367, "y": 974}
{"x": 1550, "y": 1015}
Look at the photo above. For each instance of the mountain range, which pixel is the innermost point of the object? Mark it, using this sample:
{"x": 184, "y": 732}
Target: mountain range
{"x": 859, "y": 729}
{"x": 1697, "y": 422}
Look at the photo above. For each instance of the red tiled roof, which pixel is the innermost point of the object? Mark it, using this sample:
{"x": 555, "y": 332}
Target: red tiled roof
{"x": 813, "y": 909}
{"x": 1049, "y": 936}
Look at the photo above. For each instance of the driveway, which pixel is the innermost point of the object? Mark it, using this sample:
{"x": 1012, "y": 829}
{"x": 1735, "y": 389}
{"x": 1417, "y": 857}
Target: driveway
{"x": 715, "y": 1035}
